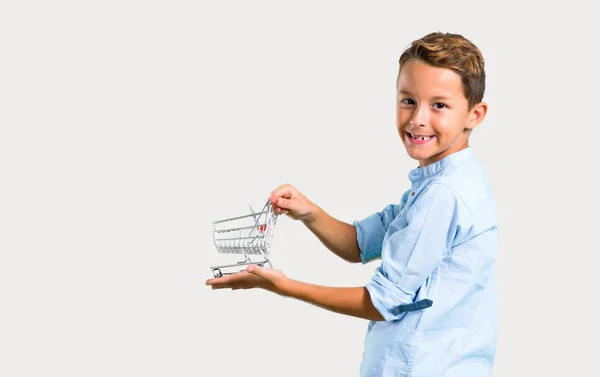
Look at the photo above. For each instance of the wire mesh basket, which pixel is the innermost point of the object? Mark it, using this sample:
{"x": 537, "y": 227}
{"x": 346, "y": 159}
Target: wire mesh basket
{"x": 249, "y": 235}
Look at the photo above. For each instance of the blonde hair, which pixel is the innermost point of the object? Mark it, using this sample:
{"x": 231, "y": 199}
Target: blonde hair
{"x": 455, "y": 52}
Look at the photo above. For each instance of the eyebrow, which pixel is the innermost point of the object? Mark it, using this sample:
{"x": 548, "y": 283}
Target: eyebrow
{"x": 436, "y": 98}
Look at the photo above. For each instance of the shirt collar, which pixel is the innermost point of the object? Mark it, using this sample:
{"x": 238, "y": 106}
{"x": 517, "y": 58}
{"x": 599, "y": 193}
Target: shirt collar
{"x": 455, "y": 158}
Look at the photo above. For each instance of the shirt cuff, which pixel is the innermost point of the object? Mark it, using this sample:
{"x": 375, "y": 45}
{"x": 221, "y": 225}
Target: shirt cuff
{"x": 390, "y": 299}
{"x": 369, "y": 235}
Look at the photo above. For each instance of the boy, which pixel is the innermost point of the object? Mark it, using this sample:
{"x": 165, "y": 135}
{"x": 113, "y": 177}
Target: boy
{"x": 432, "y": 301}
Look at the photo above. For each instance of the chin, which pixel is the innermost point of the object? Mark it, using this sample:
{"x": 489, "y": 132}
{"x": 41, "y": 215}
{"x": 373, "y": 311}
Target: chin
{"x": 419, "y": 155}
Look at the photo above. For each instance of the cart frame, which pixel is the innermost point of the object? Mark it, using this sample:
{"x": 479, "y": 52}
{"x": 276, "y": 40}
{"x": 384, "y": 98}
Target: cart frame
{"x": 249, "y": 235}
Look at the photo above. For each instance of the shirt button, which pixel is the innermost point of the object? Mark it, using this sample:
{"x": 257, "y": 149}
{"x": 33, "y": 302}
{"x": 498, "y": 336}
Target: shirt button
{"x": 413, "y": 194}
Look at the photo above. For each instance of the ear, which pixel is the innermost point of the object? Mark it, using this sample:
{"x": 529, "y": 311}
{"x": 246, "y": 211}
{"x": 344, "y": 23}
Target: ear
{"x": 476, "y": 115}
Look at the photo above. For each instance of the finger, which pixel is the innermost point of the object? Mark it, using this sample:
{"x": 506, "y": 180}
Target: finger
{"x": 286, "y": 191}
{"x": 265, "y": 273}
{"x": 274, "y": 199}
{"x": 282, "y": 203}
{"x": 240, "y": 280}
{"x": 278, "y": 210}
{"x": 222, "y": 285}
{"x": 224, "y": 281}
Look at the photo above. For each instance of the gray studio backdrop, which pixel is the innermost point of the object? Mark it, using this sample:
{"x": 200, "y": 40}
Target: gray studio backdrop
{"x": 127, "y": 127}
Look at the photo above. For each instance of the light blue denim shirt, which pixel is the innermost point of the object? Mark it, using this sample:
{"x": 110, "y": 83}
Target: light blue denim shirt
{"x": 435, "y": 286}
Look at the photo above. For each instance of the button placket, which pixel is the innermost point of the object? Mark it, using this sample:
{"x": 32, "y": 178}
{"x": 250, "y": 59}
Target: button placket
{"x": 415, "y": 188}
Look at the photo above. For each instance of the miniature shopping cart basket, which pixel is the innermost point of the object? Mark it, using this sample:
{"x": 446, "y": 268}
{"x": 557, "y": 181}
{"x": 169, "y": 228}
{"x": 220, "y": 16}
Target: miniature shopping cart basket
{"x": 249, "y": 235}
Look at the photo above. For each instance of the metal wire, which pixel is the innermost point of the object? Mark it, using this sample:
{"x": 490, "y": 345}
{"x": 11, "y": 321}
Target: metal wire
{"x": 249, "y": 234}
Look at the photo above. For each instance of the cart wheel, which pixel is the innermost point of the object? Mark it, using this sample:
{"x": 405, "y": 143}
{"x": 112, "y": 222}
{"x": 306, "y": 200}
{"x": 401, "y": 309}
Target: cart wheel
{"x": 217, "y": 273}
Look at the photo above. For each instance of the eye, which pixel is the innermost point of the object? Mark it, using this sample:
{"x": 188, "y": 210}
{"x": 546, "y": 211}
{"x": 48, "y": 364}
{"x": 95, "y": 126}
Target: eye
{"x": 407, "y": 101}
{"x": 439, "y": 105}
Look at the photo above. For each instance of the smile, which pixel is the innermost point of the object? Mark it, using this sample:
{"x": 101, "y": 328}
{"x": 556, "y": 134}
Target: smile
{"x": 419, "y": 139}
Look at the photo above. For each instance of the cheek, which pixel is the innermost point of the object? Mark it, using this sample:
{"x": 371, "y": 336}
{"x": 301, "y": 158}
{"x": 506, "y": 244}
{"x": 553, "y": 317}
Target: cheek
{"x": 402, "y": 117}
{"x": 442, "y": 124}
{"x": 450, "y": 123}
{"x": 440, "y": 127}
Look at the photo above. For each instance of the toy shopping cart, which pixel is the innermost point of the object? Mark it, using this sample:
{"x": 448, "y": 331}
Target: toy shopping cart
{"x": 248, "y": 235}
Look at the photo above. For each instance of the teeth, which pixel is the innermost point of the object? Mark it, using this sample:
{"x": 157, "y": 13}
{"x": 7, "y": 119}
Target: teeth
{"x": 419, "y": 137}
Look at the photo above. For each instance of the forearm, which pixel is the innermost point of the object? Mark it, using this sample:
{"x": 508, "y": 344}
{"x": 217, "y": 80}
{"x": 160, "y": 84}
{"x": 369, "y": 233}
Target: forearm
{"x": 336, "y": 235}
{"x": 354, "y": 301}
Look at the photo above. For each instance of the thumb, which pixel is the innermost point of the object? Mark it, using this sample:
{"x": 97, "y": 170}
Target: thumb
{"x": 265, "y": 273}
{"x": 281, "y": 202}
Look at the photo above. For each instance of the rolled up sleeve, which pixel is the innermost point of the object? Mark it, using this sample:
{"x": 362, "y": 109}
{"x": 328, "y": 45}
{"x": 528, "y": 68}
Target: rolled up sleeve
{"x": 371, "y": 231}
{"x": 411, "y": 253}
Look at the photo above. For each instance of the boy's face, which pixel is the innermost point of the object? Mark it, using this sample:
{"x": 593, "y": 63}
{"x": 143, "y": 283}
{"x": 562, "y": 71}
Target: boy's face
{"x": 432, "y": 112}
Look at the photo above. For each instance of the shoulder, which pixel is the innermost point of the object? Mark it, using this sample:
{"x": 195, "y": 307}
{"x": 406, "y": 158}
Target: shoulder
{"x": 440, "y": 198}
{"x": 468, "y": 182}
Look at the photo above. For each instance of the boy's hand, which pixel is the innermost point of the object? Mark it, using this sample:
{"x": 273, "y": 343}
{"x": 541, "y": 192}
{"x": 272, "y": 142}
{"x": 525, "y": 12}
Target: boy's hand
{"x": 288, "y": 200}
{"x": 253, "y": 277}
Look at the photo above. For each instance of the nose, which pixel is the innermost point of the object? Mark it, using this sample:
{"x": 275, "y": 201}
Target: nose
{"x": 419, "y": 116}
